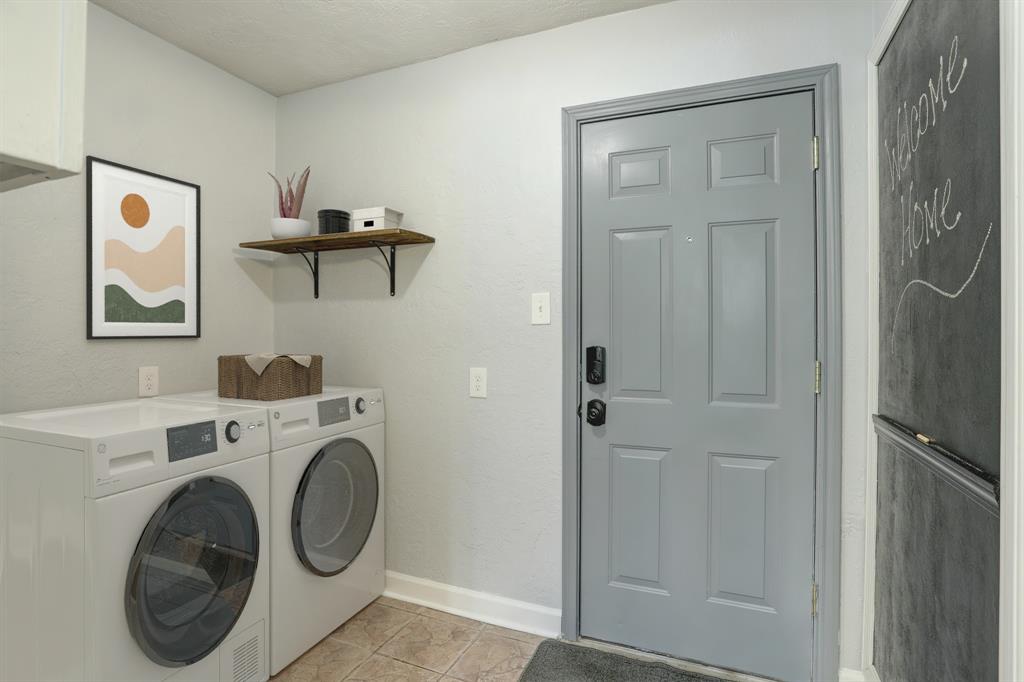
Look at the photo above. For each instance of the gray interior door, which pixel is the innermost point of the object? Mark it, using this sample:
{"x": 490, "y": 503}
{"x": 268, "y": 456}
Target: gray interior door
{"x": 698, "y": 277}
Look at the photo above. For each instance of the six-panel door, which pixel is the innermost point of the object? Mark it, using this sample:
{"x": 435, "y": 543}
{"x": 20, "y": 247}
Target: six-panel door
{"x": 698, "y": 276}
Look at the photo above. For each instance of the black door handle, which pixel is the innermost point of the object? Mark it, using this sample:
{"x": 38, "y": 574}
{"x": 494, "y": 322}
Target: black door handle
{"x": 595, "y": 364}
{"x": 595, "y": 412}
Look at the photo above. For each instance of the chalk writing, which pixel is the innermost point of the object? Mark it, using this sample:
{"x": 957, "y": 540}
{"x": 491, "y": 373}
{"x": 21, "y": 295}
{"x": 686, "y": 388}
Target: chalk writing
{"x": 911, "y": 124}
{"x": 926, "y": 217}
{"x": 932, "y": 287}
{"x": 921, "y": 223}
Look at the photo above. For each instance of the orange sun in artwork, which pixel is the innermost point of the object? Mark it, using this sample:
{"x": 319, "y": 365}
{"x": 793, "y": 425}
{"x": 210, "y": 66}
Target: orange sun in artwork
{"x": 135, "y": 210}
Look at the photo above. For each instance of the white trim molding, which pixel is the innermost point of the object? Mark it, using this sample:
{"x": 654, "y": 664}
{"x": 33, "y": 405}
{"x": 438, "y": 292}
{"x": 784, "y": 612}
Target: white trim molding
{"x": 482, "y": 606}
{"x": 869, "y": 674}
{"x": 1011, "y": 585}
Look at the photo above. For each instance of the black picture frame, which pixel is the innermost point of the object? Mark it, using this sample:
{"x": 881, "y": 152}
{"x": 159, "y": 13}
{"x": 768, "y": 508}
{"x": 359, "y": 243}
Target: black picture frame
{"x": 91, "y": 332}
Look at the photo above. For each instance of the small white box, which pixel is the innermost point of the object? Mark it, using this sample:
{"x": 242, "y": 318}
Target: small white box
{"x": 376, "y": 218}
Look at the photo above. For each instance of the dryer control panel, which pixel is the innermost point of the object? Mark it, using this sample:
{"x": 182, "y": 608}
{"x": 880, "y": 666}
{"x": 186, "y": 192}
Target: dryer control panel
{"x": 336, "y": 411}
{"x": 333, "y": 411}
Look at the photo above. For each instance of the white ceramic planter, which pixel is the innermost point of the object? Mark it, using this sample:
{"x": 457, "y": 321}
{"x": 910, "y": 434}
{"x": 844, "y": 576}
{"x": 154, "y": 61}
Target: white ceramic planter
{"x": 286, "y": 228}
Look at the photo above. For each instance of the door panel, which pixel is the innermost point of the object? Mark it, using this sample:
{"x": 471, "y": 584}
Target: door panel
{"x": 698, "y": 275}
{"x": 638, "y": 477}
{"x": 742, "y": 161}
{"x": 743, "y": 491}
{"x": 641, "y": 296}
{"x": 742, "y": 310}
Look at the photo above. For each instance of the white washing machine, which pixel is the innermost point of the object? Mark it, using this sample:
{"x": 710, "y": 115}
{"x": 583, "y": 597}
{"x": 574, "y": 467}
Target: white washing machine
{"x": 327, "y": 455}
{"x": 134, "y": 543}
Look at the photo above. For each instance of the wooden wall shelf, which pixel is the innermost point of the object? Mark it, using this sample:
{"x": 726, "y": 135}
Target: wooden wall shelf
{"x": 367, "y": 239}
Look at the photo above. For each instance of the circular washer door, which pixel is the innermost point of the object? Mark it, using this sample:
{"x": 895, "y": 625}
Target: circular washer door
{"x": 335, "y": 506}
{"x": 192, "y": 571}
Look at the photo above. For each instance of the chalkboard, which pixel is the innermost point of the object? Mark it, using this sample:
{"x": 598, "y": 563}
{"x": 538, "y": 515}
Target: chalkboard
{"x": 938, "y": 139}
{"x": 937, "y": 573}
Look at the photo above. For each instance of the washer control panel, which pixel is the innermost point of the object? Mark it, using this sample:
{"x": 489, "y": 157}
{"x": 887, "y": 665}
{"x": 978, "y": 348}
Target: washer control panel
{"x": 210, "y": 436}
{"x": 240, "y": 428}
{"x": 191, "y": 440}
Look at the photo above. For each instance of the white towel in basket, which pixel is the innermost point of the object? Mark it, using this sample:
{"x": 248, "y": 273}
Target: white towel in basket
{"x": 260, "y": 361}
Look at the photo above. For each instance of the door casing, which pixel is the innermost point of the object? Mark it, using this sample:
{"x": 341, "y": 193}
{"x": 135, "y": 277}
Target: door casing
{"x": 823, "y": 83}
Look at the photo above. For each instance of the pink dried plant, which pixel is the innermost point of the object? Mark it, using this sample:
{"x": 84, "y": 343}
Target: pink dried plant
{"x": 289, "y": 203}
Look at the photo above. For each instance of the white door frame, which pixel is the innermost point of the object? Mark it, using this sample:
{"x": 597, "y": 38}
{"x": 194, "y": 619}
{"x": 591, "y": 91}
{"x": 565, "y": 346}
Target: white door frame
{"x": 823, "y": 83}
{"x": 1011, "y": 516}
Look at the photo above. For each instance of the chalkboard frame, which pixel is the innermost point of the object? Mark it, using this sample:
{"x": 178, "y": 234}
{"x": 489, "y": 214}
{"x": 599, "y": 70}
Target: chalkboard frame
{"x": 1010, "y": 488}
{"x": 882, "y": 39}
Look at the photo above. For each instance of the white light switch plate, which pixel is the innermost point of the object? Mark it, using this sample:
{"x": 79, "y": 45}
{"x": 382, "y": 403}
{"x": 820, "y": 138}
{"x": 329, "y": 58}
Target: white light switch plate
{"x": 541, "y": 309}
{"x": 477, "y": 382}
{"x": 149, "y": 381}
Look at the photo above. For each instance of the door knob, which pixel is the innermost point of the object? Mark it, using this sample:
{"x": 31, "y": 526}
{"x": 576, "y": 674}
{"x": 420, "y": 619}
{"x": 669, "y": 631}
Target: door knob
{"x": 595, "y": 412}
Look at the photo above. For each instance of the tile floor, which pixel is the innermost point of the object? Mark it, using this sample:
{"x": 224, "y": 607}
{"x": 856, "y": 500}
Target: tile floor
{"x": 400, "y": 642}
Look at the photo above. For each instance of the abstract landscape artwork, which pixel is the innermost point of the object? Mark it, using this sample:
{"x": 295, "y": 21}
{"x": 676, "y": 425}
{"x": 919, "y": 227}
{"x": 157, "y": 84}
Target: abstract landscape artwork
{"x": 143, "y": 253}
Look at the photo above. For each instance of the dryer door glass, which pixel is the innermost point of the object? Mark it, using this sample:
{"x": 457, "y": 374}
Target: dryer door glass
{"x": 192, "y": 571}
{"x": 335, "y": 507}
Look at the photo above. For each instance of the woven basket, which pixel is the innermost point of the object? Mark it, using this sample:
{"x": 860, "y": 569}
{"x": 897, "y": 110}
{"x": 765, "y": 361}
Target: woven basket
{"x": 282, "y": 379}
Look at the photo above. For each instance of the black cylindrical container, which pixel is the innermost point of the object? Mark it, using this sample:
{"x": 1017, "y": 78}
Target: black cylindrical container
{"x": 333, "y": 220}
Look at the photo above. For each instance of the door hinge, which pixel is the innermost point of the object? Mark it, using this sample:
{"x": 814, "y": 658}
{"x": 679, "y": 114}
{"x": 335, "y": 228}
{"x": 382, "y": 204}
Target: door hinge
{"x": 814, "y": 599}
{"x": 817, "y": 376}
{"x": 816, "y": 151}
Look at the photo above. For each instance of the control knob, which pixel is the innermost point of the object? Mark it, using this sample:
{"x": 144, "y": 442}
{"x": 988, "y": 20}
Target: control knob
{"x": 360, "y": 405}
{"x": 233, "y": 431}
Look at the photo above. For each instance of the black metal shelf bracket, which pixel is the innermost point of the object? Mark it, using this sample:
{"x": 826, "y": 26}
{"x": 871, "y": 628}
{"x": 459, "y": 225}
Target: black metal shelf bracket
{"x": 390, "y": 262}
{"x": 314, "y": 269}
{"x": 314, "y": 265}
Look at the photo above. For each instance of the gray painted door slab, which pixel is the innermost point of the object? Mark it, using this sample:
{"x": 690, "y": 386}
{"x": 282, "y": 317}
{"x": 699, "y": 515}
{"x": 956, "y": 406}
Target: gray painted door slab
{"x": 698, "y": 276}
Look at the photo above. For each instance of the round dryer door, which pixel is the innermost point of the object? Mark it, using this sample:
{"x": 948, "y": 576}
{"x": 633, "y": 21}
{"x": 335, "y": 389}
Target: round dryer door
{"x": 335, "y": 507}
{"x": 192, "y": 571}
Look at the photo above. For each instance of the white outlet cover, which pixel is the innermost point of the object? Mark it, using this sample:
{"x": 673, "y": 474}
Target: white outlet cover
{"x": 477, "y": 382}
{"x": 149, "y": 382}
{"x": 540, "y": 308}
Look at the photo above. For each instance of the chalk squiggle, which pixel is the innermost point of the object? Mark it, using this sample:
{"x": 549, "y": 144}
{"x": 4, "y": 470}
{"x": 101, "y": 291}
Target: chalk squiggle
{"x": 929, "y": 285}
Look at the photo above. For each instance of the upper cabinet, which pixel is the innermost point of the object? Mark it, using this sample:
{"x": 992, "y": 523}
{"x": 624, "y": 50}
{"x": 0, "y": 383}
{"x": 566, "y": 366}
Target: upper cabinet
{"x": 42, "y": 90}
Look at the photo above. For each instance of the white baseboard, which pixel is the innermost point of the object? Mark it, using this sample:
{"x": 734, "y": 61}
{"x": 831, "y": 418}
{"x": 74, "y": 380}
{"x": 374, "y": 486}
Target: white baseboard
{"x": 482, "y": 606}
{"x": 851, "y": 675}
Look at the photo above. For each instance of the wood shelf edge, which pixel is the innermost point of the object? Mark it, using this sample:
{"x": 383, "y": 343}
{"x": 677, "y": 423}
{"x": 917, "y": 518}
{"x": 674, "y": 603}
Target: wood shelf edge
{"x": 344, "y": 240}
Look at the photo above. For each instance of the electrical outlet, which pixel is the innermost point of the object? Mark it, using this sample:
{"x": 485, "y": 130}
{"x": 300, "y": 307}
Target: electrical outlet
{"x": 541, "y": 309}
{"x": 477, "y": 382}
{"x": 149, "y": 381}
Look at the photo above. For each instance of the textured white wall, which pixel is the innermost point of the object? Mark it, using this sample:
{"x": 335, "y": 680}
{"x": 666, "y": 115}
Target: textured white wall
{"x": 155, "y": 107}
{"x": 469, "y": 146}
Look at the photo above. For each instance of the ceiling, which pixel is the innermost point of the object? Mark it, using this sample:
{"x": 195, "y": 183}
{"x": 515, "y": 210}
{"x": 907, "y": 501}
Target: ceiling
{"x": 285, "y": 46}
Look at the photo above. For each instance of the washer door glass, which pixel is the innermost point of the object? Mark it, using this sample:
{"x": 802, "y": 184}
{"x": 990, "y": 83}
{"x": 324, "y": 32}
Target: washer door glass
{"x": 192, "y": 571}
{"x": 335, "y": 506}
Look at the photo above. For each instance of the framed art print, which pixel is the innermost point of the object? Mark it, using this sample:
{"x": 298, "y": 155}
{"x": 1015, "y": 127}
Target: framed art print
{"x": 142, "y": 246}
